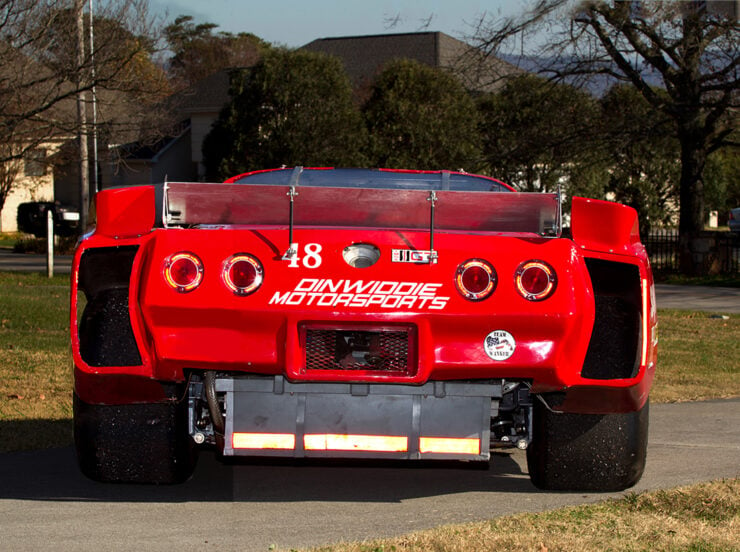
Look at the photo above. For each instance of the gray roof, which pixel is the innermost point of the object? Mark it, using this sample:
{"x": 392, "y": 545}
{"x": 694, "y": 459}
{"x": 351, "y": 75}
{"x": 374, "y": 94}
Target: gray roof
{"x": 364, "y": 57}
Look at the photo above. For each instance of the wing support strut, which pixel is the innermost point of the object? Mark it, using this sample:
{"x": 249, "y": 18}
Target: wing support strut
{"x": 294, "y": 178}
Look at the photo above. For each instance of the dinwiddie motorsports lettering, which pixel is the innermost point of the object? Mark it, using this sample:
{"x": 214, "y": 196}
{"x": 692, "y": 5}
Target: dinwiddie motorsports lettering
{"x": 359, "y": 294}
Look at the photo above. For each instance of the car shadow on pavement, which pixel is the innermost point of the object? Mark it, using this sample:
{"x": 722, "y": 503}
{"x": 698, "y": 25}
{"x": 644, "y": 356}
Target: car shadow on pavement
{"x": 52, "y": 474}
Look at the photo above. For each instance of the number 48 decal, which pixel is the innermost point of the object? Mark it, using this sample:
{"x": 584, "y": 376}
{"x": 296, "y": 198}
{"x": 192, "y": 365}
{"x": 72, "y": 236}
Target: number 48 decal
{"x": 311, "y": 258}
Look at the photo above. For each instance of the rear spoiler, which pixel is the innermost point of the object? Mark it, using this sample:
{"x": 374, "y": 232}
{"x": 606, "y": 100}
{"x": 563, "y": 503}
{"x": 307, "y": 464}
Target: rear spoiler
{"x": 196, "y": 204}
{"x": 604, "y": 225}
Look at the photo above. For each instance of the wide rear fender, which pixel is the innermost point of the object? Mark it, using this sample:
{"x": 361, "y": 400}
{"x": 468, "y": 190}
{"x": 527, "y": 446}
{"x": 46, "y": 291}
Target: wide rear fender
{"x": 604, "y": 226}
{"x": 125, "y": 212}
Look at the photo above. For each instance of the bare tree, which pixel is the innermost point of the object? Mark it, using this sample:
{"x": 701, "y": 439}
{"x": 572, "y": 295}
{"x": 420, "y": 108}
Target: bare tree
{"x": 41, "y": 74}
{"x": 691, "y": 49}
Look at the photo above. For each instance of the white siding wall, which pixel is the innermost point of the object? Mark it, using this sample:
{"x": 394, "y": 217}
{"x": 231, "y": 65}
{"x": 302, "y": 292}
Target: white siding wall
{"x": 36, "y": 189}
{"x": 27, "y": 188}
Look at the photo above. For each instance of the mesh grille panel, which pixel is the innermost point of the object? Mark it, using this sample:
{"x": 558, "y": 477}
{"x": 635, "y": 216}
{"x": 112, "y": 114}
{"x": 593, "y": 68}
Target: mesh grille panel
{"x": 385, "y": 351}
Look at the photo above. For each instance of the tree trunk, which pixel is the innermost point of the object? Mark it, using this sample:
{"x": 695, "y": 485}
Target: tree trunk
{"x": 691, "y": 218}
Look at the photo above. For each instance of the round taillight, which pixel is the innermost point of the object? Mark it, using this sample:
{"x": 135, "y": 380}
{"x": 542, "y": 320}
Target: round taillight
{"x": 243, "y": 273}
{"x": 183, "y": 271}
{"x": 535, "y": 280}
{"x": 475, "y": 279}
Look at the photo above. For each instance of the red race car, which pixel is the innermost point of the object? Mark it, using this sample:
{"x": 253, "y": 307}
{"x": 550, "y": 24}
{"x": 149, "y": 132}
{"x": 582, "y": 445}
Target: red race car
{"x": 361, "y": 313}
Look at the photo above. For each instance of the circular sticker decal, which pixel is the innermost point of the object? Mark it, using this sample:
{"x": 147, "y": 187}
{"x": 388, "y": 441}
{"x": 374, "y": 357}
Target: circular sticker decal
{"x": 499, "y": 345}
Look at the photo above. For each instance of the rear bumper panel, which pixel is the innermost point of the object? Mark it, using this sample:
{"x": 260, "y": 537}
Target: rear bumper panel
{"x": 438, "y": 420}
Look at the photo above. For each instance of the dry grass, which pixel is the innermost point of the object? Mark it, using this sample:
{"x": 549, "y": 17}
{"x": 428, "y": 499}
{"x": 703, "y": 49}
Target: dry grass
{"x": 703, "y": 517}
{"x": 36, "y": 387}
{"x": 698, "y": 357}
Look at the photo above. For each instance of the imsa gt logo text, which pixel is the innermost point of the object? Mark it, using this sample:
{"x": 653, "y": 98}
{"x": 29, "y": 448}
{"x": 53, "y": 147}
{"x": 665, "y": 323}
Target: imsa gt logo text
{"x": 320, "y": 292}
{"x": 410, "y": 256}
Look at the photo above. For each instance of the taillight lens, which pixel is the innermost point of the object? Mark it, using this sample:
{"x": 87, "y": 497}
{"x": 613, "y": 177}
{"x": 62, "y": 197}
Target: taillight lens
{"x": 475, "y": 279}
{"x": 243, "y": 273}
{"x": 535, "y": 280}
{"x": 183, "y": 271}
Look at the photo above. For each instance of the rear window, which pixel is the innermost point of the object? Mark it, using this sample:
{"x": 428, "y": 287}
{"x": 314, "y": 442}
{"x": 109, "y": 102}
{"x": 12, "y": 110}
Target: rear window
{"x": 376, "y": 178}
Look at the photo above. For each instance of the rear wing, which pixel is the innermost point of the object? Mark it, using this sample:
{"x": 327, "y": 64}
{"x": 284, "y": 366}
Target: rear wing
{"x": 194, "y": 204}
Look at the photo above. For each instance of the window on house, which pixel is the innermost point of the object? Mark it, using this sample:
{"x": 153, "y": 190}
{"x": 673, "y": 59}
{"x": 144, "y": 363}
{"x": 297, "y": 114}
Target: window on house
{"x": 34, "y": 162}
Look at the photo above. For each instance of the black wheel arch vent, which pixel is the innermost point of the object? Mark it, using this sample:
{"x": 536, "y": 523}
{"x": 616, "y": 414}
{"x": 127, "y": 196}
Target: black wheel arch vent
{"x": 106, "y": 335}
{"x": 614, "y": 349}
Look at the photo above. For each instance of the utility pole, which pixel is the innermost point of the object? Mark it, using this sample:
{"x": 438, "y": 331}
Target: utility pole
{"x": 96, "y": 183}
{"x": 82, "y": 116}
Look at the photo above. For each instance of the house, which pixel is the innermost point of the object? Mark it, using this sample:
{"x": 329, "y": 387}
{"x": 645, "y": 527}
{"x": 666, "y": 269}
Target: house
{"x": 179, "y": 156}
{"x": 33, "y": 180}
{"x": 364, "y": 57}
{"x": 169, "y": 158}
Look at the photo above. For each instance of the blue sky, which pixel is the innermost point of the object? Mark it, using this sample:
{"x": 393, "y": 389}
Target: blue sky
{"x": 295, "y": 22}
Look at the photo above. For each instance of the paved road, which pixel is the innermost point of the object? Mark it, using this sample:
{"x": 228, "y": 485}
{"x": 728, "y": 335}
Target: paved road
{"x": 32, "y": 263}
{"x": 712, "y": 299}
{"x": 45, "y": 504}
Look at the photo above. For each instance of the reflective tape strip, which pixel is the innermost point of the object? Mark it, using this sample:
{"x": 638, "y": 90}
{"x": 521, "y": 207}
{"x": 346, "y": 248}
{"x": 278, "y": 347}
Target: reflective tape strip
{"x": 282, "y": 441}
{"x": 447, "y": 445}
{"x": 368, "y": 443}
{"x": 372, "y": 443}
{"x": 645, "y": 316}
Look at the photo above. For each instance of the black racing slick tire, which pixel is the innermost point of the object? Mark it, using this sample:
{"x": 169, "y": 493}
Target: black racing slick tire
{"x": 587, "y": 452}
{"x": 133, "y": 443}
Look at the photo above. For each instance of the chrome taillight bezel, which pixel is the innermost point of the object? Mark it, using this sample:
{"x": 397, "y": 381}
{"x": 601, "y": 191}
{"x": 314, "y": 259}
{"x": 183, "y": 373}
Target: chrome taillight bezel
{"x": 169, "y": 265}
{"x": 535, "y": 264}
{"x": 227, "y": 278}
{"x": 476, "y": 295}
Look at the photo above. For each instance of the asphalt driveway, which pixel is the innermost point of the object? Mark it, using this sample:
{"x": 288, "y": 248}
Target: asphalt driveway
{"x": 46, "y": 504}
{"x": 702, "y": 298}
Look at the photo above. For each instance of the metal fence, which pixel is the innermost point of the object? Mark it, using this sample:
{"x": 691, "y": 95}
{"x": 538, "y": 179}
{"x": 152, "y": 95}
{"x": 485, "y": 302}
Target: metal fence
{"x": 721, "y": 251}
{"x": 728, "y": 245}
{"x": 662, "y": 248}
